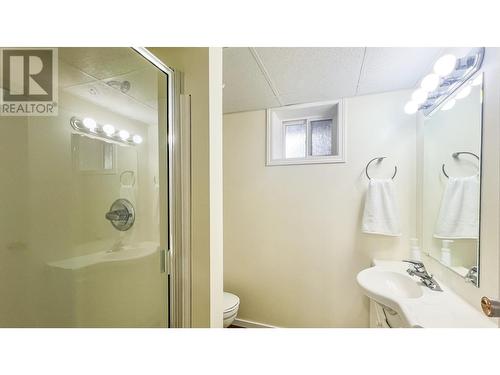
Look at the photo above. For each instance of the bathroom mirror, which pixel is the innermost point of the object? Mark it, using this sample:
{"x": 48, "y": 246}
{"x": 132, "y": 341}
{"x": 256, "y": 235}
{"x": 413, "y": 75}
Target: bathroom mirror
{"x": 451, "y": 179}
{"x": 93, "y": 155}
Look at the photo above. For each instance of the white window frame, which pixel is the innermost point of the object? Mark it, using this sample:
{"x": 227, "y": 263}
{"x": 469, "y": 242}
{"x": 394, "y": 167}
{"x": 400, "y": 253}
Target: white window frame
{"x": 308, "y": 110}
{"x": 292, "y": 122}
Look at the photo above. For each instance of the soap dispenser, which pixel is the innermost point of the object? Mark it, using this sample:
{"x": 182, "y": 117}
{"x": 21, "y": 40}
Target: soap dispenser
{"x": 414, "y": 249}
{"x": 446, "y": 252}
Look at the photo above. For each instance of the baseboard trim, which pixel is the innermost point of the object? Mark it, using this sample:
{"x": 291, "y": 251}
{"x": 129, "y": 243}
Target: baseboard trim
{"x": 249, "y": 324}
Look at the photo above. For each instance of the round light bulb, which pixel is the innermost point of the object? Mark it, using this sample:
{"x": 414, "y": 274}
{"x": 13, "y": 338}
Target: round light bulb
{"x": 124, "y": 134}
{"x": 108, "y": 129}
{"x": 445, "y": 65}
{"x": 89, "y": 123}
{"x": 448, "y": 105}
{"x": 137, "y": 139}
{"x": 478, "y": 80}
{"x": 411, "y": 108}
{"x": 419, "y": 96}
{"x": 464, "y": 92}
{"x": 430, "y": 82}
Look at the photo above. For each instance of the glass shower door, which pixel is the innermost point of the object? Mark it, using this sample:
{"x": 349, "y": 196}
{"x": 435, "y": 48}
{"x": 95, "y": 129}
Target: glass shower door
{"x": 81, "y": 225}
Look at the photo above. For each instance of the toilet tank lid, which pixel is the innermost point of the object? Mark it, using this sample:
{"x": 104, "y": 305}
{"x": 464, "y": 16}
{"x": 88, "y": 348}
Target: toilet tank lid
{"x": 230, "y": 300}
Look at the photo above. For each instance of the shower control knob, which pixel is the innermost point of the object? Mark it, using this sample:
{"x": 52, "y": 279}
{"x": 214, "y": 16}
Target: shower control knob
{"x": 121, "y": 214}
{"x": 490, "y": 307}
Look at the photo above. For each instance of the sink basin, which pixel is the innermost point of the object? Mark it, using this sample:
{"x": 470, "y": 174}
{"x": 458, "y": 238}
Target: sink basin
{"x": 389, "y": 283}
{"x": 392, "y": 288}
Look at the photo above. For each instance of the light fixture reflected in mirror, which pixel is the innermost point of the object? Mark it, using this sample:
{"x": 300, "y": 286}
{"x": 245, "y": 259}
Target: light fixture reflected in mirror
{"x": 450, "y": 75}
{"x": 108, "y": 129}
{"x": 430, "y": 82}
{"x": 137, "y": 139}
{"x": 89, "y": 127}
{"x": 445, "y": 65}
{"x": 90, "y": 123}
{"x": 419, "y": 96}
{"x": 411, "y": 108}
{"x": 464, "y": 92}
{"x": 124, "y": 134}
{"x": 448, "y": 105}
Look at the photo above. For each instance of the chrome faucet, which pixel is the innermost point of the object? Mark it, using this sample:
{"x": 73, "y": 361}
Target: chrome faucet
{"x": 471, "y": 276}
{"x": 418, "y": 269}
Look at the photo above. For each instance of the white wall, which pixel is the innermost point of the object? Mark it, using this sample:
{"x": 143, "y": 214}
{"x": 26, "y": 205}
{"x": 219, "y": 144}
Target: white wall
{"x": 216, "y": 187}
{"x": 292, "y": 239}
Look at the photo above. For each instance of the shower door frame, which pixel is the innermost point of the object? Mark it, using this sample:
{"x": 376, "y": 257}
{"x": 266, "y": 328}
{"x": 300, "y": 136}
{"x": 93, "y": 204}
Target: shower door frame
{"x": 177, "y": 262}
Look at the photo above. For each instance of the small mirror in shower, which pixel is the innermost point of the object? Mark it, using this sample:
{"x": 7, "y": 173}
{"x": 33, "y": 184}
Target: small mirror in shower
{"x": 93, "y": 155}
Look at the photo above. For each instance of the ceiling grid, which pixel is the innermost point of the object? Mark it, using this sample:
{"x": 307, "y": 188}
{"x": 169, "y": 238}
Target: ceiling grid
{"x": 268, "y": 79}
{"x": 257, "y": 78}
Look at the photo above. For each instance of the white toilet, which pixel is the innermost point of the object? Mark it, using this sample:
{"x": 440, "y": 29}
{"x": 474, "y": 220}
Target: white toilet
{"x": 231, "y": 305}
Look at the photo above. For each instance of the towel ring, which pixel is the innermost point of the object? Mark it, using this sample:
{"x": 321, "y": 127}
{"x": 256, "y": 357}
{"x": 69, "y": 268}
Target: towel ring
{"x": 455, "y": 155}
{"x": 379, "y": 159}
{"x": 132, "y": 176}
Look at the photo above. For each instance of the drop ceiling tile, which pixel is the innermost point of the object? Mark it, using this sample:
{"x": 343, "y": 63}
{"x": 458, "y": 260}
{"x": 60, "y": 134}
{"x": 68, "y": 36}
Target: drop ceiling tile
{"x": 143, "y": 85}
{"x": 301, "y": 75}
{"x": 245, "y": 88}
{"x": 103, "y": 62}
{"x": 101, "y": 94}
{"x": 310, "y": 74}
{"x": 71, "y": 76}
{"x": 394, "y": 68}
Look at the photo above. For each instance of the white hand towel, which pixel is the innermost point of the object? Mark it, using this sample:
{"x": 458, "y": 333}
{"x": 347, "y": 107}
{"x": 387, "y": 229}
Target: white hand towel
{"x": 381, "y": 215}
{"x": 459, "y": 214}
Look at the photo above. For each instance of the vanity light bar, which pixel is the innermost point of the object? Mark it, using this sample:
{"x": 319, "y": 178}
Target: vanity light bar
{"x": 449, "y": 75}
{"x": 107, "y": 132}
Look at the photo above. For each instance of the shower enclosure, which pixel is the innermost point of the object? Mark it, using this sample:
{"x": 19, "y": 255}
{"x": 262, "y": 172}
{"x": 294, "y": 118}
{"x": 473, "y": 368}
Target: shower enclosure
{"x": 84, "y": 224}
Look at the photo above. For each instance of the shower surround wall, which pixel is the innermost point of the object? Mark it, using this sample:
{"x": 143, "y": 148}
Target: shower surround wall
{"x": 292, "y": 238}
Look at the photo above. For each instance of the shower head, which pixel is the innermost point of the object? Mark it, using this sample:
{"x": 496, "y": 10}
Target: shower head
{"x": 123, "y": 86}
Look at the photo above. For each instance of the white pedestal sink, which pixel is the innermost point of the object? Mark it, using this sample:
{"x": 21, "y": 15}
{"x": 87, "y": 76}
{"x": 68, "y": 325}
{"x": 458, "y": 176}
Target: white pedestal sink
{"x": 418, "y": 306}
{"x": 385, "y": 283}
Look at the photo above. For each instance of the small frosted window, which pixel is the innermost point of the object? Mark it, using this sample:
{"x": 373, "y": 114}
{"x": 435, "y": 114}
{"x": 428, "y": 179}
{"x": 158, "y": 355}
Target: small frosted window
{"x": 295, "y": 140}
{"x": 321, "y": 138}
{"x": 311, "y": 133}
